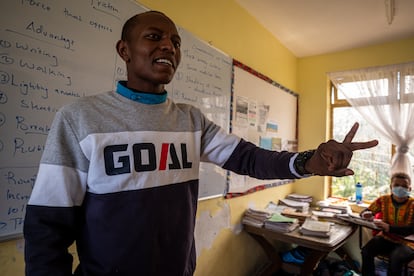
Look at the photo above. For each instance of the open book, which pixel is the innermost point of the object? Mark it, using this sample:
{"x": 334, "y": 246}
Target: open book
{"x": 358, "y": 220}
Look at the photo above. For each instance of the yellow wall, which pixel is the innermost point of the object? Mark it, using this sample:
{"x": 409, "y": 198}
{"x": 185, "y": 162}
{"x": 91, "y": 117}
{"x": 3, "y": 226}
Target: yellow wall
{"x": 312, "y": 86}
{"x": 229, "y": 28}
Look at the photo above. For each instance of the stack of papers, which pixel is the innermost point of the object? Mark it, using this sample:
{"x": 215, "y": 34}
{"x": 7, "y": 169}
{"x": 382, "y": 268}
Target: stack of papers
{"x": 292, "y": 213}
{"x": 300, "y": 198}
{"x": 275, "y": 208}
{"x": 316, "y": 228}
{"x": 299, "y": 206}
{"x": 323, "y": 214}
{"x": 335, "y": 205}
{"x": 280, "y": 223}
{"x": 255, "y": 217}
{"x": 334, "y": 210}
{"x": 327, "y": 216}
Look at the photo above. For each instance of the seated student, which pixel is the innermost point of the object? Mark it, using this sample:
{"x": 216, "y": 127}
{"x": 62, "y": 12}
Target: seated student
{"x": 397, "y": 221}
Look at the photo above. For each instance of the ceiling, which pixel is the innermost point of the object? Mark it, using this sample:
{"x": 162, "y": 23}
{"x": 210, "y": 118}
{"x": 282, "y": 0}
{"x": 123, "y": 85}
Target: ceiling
{"x": 314, "y": 27}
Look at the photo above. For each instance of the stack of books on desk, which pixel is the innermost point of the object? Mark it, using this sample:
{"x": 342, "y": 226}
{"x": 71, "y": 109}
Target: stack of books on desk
{"x": 255, "y": 217}
{"x": 316, "y": 228}
{"x": 300, "y": 198}
{"x": 297, "y": 205}
{"x": 334, "y": 205}
{"x": 327, "y": 216}
{"x": 292, "y": 213}
{"x": 280, "y": 223}
{"x": 276, "y": 208}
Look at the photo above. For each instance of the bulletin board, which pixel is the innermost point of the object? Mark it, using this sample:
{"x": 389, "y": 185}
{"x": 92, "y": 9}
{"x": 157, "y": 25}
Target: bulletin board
{"x": 51, "y": 53}
{"x": 264, "y": 113}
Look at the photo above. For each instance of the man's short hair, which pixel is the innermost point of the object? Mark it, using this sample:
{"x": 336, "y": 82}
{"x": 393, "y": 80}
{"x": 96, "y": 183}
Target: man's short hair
{"x": 133, "y": 21}
{"x": 402, "y": 176}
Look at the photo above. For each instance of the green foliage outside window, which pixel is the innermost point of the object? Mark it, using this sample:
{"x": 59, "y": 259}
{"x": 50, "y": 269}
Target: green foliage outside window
{"x": 371, "y": 166}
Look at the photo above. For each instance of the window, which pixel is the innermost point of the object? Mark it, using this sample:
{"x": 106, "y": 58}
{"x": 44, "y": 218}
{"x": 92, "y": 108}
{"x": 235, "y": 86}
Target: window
{"x": 371, "y": 166}
{"x": 385, "y": 97}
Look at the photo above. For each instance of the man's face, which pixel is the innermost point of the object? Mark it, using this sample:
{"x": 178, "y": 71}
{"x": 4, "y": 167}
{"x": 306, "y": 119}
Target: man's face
{"x": 152, "y": 53}
{"x": 401, "y": 182}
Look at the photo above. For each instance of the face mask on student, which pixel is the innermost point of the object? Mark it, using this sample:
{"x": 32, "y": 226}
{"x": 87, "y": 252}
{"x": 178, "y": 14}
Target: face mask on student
{"x": 400, "y": 192}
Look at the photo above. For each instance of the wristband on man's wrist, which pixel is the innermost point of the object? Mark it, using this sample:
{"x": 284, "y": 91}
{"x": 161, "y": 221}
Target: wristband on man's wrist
{"x": 301, "y": 160}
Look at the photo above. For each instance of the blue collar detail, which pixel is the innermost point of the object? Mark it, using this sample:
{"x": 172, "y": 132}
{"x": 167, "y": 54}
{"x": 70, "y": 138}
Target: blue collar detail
{"x": 138, "y": 96}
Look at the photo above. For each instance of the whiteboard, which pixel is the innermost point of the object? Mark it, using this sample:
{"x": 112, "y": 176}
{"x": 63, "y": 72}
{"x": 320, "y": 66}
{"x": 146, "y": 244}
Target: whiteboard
{"x": 264, "y": 113}
{"x": 53, "y": 52}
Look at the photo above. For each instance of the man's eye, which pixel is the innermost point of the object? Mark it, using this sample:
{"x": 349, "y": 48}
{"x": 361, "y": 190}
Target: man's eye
{"x": 177, "y": 44}
{"x": 153, "y": 36}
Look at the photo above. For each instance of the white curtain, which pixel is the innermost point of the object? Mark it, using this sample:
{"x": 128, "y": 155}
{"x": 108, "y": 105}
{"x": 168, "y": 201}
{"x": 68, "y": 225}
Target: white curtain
{"x": 384, "y": 96}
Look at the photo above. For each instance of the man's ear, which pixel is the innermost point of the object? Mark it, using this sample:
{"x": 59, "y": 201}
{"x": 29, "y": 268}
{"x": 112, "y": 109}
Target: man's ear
{"x": 122, "y": 49}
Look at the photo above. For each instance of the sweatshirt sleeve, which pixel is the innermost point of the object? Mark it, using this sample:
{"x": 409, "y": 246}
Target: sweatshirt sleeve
{"x": 248, "y": 159}
{"x": 48, "y": 232}
{"x": 52, "y": 212}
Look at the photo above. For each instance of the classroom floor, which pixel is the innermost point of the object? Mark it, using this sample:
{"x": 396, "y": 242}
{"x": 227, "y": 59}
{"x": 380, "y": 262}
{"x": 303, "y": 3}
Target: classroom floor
{"x": 326, "y": 267}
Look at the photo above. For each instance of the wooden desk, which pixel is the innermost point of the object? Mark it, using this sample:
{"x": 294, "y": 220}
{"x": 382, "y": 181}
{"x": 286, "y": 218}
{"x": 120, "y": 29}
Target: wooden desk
{"x": 319, "y": 247}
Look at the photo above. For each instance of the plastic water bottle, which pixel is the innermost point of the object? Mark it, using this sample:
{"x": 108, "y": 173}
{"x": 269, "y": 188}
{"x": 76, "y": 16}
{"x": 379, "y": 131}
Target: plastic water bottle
{"x": 358, "y": 193}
